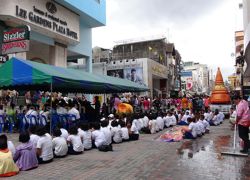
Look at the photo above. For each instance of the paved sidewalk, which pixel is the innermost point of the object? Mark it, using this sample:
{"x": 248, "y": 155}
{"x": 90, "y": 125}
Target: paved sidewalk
{"x": 151, "y": 159}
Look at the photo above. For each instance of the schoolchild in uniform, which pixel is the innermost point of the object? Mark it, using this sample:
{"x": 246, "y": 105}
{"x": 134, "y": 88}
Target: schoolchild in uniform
{"x": 33, "y": 135}
{"x": 124, "y": 129}
{"x": 205, "y": 124}
{"x": 107, "y": 132}
{"x": 85, "y": 133}
{"x": 59, "y": 143}
{"x": 116, "y": 132}
{"x": 190, "y": 132}
{"x": 75, "y": 142}
{"x": 44, "y": 146}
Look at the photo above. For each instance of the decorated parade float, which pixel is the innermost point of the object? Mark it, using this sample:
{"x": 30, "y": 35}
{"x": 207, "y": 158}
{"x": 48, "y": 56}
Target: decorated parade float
{"x": 220, "y": 98}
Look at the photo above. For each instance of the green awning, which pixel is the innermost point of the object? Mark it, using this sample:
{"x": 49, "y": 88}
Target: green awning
{"x": 21, "y": 74}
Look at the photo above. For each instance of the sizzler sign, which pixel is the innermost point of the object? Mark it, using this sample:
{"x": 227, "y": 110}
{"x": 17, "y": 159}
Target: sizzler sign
{"x": 16, "y": 34}
{"x": 15, "y": 40}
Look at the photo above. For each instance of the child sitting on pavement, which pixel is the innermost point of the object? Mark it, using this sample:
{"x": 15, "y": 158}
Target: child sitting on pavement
{"x": 190, "y": 132}
{"x": 75, "y": 142}
{"x": 7, "y": 165}
{"x": 116, "y": 132}
{"x": 25, "y": 156}
{"x": 85, "y": 133}
{"x": 44, "y": 146}
{"x": 59, "y": 143}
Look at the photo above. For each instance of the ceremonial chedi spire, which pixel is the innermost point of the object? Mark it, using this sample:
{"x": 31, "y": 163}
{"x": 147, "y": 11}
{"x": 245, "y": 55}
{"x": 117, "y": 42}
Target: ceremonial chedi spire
{"x": 219, "y": 94}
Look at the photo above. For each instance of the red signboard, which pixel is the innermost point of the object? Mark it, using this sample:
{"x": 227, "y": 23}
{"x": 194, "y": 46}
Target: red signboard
{"x": 15, "y": 40}
{"x": 16, "y": 46}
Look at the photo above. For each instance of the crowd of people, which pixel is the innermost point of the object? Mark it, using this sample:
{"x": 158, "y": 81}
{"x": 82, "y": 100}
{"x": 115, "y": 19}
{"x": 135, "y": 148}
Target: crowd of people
{"x": 97, "y": 130}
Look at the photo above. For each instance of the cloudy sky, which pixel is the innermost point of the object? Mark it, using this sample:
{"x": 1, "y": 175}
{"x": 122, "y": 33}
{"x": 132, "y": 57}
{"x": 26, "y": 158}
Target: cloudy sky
{"x": 202, "y": 30}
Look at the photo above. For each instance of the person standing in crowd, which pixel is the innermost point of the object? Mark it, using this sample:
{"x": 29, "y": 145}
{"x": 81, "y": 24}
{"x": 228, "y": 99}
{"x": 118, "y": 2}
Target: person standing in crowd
{"x": 184, "y": 103}
{"x": 97, "y": 108}
{"x": 243, "y": 121}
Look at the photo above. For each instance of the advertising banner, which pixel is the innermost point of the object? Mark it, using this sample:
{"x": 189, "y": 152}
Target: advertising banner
{"x": 134, "y": 74}
{"x": 15, "y": 40}
{"x": 116, "y": 73}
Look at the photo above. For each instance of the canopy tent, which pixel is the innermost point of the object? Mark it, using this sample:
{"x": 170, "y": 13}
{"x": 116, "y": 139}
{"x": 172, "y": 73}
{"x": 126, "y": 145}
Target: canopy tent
{"x": 28, "y": 75}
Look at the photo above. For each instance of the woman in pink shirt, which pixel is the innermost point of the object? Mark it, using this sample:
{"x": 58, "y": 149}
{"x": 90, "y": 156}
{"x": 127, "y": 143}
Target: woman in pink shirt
{"x": 243, "y": 121}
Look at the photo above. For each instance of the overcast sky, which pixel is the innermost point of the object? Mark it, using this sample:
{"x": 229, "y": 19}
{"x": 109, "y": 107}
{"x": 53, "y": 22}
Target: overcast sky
{"x": 202, "y": 30}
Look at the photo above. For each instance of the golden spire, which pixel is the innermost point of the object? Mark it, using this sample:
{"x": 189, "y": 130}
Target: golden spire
{"x": 220, "y": 94}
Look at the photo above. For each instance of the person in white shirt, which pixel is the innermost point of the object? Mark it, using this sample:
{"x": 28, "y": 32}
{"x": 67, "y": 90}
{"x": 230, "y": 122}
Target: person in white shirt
{"x": 110, "y": 119}
{"x": 65, "y": 133}
{"x": 98, "y": 139}
{"x": 215, "y": 120}
{"x": 221, "y": 117}
{"x": 73, "y": 111}
{"x": 174, "y": 120}
{"x": 43, "y": 116}
{"x": 145, "y": 121}
{"x": 168, "y": 119}
{"x": 107, "y": 132}
{"x": 59, "y": 144}
{"x": 85, "y": 134}
{"x": 133, "y": 132}
{"x": 205, "y": 124}
{"x": 31, "y": 116}
{"x": 233, "y": 116}
{"x": 124, "y": 129}
{"x": 201, "y": 126}
{"x": 44, "y": 147}
{"x": 185, "y": 117}
{"x": 11, "y": 147}
{"x": 33, "y": 136}
{"x": 160, "y": 122}
{"x": 207, "y": 115}
{"x": 190, "y": 132}
{"x": 61, "y": 109}
{"x": 116, "y": 132}
{"x": 75, "y": 142}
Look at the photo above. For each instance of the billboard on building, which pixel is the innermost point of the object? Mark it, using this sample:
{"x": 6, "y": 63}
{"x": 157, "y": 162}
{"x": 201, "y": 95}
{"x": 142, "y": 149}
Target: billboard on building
{"x": 134, "y": 74}
{"x": 15, "y": 40}
{"x": 116, "y": 73}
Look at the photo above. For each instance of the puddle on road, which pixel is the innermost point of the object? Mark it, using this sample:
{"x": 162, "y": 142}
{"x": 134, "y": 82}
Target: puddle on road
{"x": 203, "y": 156}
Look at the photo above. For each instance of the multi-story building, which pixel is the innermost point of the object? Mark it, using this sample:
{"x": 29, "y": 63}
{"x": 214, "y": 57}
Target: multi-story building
{"x": 246, "y": 68}
{"x": 156, "y": 60}
{"x": 239, "y": 60}
{"x": 153, "y": 62}
{"x": 60, "y": 30}
{"x": 195, "y": 78}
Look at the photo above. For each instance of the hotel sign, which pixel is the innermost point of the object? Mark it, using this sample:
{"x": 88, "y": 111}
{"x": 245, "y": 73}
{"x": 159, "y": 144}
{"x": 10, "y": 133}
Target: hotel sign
{"x": 15, "y": 40}
{"x": 47, "y": 20}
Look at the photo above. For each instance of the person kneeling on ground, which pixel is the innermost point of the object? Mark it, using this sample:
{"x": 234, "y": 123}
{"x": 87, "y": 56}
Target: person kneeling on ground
{"x": 25, "y": 156}
{"x": 60, "y": 146}
{"x": 7, "y": 165}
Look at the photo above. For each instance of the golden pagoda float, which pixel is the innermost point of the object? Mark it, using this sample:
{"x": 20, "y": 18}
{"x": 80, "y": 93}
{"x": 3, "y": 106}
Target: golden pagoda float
{"x": 220, "y": 98}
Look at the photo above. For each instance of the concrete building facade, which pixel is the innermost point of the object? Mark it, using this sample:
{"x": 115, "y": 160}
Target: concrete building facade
{"x": 60, "y": 30}
{"x": 195, "y": 78}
